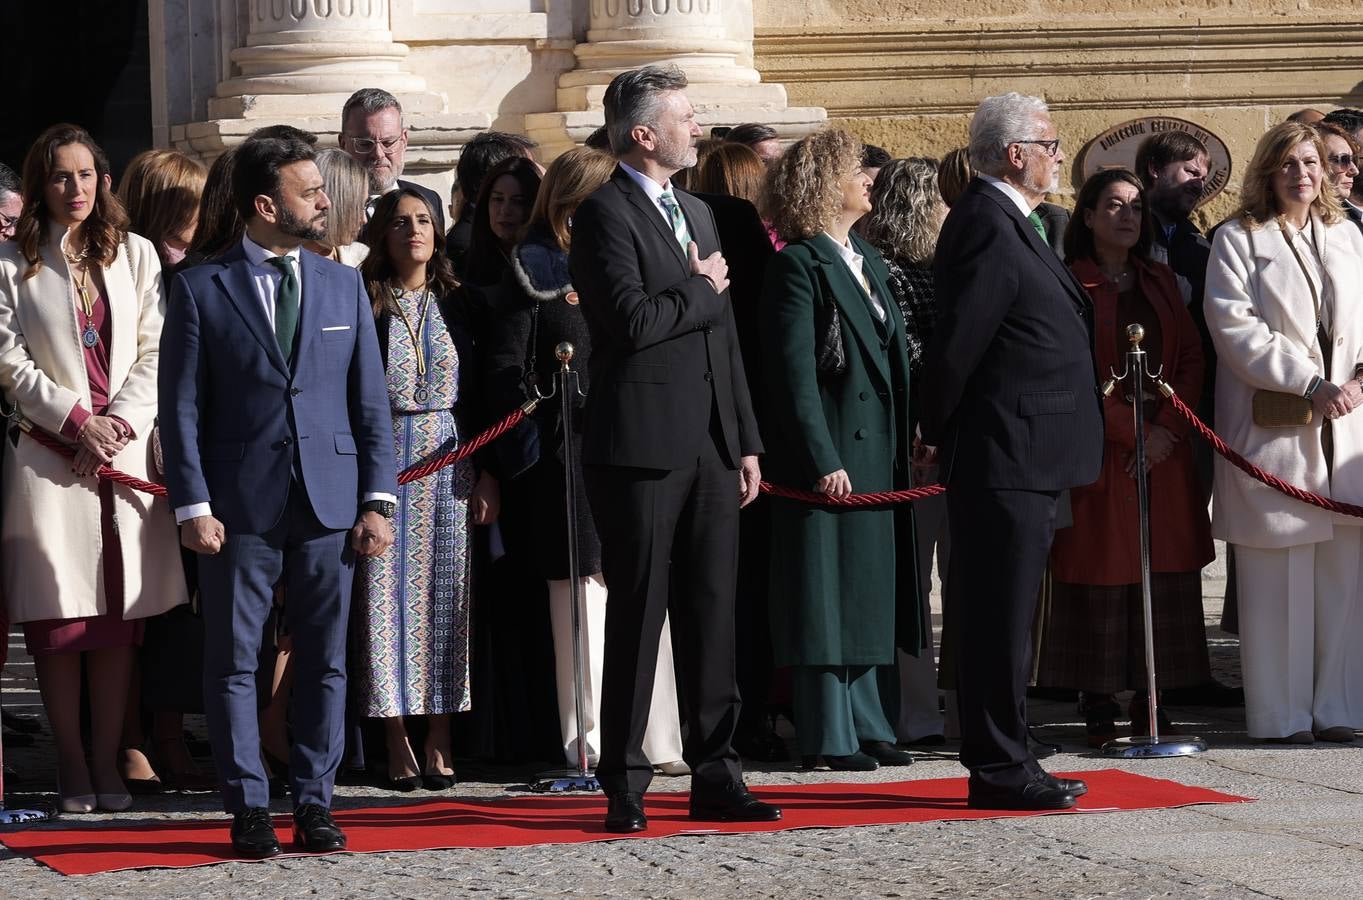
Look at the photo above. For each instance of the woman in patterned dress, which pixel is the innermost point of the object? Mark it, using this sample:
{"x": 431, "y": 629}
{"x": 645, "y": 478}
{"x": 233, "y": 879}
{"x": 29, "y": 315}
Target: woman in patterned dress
{"x": 413, "y": 610}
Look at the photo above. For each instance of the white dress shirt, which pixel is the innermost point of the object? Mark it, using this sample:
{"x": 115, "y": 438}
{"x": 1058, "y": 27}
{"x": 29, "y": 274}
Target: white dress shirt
{"x": 853, "y": 260}
{"x": 1010, "y": 192}
{"x": 266, "y": 278}
{"x": 654, "y": 190}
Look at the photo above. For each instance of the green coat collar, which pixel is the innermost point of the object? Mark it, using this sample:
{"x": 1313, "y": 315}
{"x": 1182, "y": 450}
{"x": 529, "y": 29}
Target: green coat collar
{"x": 852, "y": 300}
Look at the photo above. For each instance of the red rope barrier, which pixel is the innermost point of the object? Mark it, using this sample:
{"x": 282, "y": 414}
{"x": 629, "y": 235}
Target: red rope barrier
{"x": 420, "y": 470}
{"x": 1254, "y": 471}
{"x": 878, "y": 498}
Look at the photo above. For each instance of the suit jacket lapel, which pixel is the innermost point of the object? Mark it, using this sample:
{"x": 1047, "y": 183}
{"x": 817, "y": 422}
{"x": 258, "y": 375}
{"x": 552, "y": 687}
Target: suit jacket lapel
{"x": 314, "y": 292}
{"x": 239, "y": 286}
{"x": 1039, "y": 246}
{"x": 852, "y": 300}
{"x": 650, "y": 211}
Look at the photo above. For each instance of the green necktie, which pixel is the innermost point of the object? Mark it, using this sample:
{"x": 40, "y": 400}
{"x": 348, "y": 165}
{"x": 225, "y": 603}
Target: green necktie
{"x": 1038, "y": 225}
{"x": 285, "y": 304}
{"x": 674, "y": 215}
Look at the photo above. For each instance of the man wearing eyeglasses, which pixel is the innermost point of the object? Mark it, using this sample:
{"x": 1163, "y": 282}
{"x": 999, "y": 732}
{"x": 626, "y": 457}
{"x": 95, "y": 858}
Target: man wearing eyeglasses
{"x": 11, "y": 202}
{"x": 1011, "y": 399}
{"x": 373, "y": 135}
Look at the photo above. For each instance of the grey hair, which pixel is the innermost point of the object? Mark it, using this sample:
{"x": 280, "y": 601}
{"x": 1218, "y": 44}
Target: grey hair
{"x": 369, "y": 101}
{"x": 998, "y": 122}
{"x": 905, "y": 210}
{"x": 346, "y": 183}
{"x": 634, "y": 97}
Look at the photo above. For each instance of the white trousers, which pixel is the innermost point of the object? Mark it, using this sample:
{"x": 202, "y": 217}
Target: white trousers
{"x": 662, "y": 739}
{"x": 1300, "y": 633}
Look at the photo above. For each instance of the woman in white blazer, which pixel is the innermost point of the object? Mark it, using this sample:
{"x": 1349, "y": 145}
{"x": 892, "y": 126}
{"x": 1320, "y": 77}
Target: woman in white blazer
{"x": 82, "y": 561}
{"x": 1284, "y": 305}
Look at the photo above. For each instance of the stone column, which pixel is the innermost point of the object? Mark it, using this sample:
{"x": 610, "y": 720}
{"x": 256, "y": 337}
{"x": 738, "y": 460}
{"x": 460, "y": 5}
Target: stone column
{"x": 302, "y": 59}
{"x": 307, "y": 56}
{"x": 626, "y": 34}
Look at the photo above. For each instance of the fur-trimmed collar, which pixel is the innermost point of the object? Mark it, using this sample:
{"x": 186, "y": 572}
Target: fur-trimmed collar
{"x": 541, "y": 270}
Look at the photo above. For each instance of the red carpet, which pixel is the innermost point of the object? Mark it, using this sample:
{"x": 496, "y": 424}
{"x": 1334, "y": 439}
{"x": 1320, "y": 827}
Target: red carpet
{"x": 567, "y": 819}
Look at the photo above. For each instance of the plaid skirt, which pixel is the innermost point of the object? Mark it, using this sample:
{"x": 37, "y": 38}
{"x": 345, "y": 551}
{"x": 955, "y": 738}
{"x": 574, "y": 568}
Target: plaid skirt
{"x": 1094, "y": 635}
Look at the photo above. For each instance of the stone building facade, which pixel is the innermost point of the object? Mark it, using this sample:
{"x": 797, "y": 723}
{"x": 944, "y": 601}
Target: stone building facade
{"x": 900, "y": 73}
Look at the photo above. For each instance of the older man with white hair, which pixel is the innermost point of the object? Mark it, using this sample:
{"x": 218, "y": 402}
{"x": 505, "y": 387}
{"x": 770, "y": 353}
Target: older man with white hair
{"x": 1011, "y": 398}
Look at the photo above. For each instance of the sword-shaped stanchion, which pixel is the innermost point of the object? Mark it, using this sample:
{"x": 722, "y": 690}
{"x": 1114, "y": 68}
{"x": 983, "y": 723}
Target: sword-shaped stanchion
{"x": 1149, "y": 746}
{"x": 567, "y": 389}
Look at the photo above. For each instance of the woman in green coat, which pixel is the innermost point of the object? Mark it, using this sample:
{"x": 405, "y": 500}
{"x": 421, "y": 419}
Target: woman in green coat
{"x": 837, "y": 377}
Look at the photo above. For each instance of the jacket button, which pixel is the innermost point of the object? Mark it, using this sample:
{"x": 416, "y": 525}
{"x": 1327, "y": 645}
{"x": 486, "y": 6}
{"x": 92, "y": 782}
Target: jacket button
{"x": 1339, "y": 342}
{"x": 287, "y": 442}
{"x": 864, "y": 395}
{"x": 294, "y": 392}
{"x": 709, "y": 331}
{"x": 860, "y": 433}
{"x": 709, "y": 376}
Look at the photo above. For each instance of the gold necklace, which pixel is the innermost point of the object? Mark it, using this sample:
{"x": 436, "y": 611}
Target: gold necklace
{"x": 422, "y": 393}
{"x": 89, "y": 335}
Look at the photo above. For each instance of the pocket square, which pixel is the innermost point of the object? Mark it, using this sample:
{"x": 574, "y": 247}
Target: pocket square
{"x": 337, "y": 328}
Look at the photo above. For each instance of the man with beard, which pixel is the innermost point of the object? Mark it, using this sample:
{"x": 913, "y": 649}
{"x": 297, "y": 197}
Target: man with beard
{"x": 278, "y": 449}
{"x": 669, "y": 448}
{"x": 373, "y": 135}
{"x": 1012, "y": 400}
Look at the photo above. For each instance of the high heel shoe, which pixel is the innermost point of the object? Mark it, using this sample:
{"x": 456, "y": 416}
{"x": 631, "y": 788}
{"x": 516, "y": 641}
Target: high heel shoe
{"x": 114, "y": 802}
{"x": 437, "y": 781}
{"x": 404, "y": 783}
{"x": 80, "y": 803}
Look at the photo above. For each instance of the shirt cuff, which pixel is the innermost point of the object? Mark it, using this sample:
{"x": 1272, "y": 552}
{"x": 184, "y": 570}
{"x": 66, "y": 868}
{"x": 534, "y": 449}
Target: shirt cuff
{"x": 192, "y": 511}
{"x": 387, "y": 498}
{"x": 74, "y": 420}
{"x": 132, "y": 435}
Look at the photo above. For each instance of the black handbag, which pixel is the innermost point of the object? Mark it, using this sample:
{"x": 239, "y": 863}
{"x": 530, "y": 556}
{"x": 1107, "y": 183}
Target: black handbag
{"x": 829, "y": 354}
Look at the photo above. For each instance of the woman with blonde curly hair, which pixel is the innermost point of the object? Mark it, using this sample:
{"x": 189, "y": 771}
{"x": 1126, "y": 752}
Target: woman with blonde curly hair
{"x": 837, "y": 373}
{"x": 1281, "y": 305}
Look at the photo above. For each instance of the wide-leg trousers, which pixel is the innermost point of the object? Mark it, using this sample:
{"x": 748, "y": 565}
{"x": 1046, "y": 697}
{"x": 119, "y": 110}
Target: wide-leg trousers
{"x": 1300, "y": 632}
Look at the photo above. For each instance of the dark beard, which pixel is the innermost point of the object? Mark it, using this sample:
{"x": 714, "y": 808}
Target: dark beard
{"x": 295, "y": 227}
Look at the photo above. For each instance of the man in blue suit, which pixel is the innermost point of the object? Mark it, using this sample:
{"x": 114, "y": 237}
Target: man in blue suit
{"x": 279, "y": 461}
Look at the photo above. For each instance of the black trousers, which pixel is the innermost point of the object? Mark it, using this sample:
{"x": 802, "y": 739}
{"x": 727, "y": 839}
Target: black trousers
{"x": 669, "y": 544}
{"x": 1000, "y": 541}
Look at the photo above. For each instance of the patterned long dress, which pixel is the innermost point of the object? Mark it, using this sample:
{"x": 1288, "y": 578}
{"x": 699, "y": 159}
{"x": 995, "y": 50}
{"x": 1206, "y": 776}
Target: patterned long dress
{"x": 414, "y": 621}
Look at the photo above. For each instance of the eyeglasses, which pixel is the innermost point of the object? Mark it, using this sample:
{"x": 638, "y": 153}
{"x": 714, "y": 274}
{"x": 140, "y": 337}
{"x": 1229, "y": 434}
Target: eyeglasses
{"x": 1343, "y": 160}
{"x": 367, "y": 145}
{"x": 7, "y": 223}
{"x": 1050, "y": 146}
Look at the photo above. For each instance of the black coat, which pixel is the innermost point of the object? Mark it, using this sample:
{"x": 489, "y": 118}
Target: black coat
{"x": 539, "y": 311}
{"x": 1010, "y": 394}
{"x": 747, "y": 249}
{"x": 664, "y": 343}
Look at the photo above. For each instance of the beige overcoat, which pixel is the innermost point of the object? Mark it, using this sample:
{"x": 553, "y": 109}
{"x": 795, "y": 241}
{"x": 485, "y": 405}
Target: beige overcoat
{"x": 50, "y": 537}
{"x": 1262, "y": 319}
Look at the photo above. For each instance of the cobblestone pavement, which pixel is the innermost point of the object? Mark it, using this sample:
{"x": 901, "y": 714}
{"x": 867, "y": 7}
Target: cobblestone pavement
{"x": 1302, "y": 838}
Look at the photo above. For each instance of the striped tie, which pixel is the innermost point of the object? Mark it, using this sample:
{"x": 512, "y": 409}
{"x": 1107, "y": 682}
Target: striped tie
{"x": 674, "y": 215}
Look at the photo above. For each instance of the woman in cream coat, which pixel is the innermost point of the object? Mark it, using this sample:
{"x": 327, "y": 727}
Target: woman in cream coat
{"x": 82, "y": 561}
{"x": 1287, "y": 262}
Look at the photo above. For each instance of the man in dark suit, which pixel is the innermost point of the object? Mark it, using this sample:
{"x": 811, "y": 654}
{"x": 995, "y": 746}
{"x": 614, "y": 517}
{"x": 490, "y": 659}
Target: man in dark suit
{"x": 279, "y": 462}
{"x": 669, "y": 448}
{"x": 373, "y": 134}
{"x": 1010, "y": 397}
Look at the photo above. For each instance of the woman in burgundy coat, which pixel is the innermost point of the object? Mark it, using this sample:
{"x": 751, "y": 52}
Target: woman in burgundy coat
{"x": 1094, "y": 632}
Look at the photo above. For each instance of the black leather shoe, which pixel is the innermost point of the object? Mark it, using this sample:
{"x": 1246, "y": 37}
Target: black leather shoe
{"x": 253, "y": 834}
{"x": 734, "y": 803}
{"x": 315, "y": 831}
{"x": 1071, "y": 785}
{"x": 857, "y": 762}
{"x": 1034, "y": 795}
{"x": 886, "y": 754}
{"x": 625, "y": 813}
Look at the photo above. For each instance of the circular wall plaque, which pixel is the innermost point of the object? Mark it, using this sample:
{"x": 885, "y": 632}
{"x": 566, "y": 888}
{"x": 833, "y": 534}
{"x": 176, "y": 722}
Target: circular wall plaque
{"x": 1116, "y": 148}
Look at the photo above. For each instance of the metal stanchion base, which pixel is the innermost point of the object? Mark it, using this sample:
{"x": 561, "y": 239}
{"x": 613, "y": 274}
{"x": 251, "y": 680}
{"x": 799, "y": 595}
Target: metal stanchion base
{"x": 557, "y": 781}
{"x": 1146, "y": 747}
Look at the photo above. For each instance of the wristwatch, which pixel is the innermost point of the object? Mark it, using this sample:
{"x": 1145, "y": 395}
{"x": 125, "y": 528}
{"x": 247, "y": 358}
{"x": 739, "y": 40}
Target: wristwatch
{"x": 1311, "y": 388}
{"x": 385, "y": 508}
